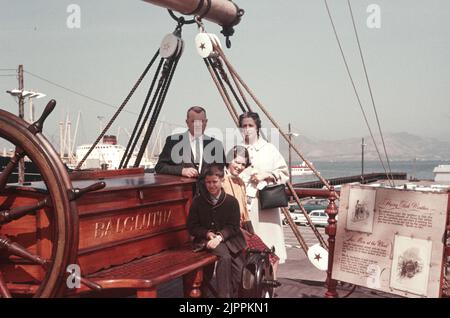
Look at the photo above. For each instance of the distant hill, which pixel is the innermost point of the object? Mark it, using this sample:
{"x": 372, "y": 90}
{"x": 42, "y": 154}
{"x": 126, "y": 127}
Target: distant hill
{"x": 400, "y": 146}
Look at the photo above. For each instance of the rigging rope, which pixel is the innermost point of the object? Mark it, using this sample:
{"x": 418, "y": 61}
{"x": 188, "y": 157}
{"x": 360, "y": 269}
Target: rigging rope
{"x": 370, "y": 90}
{"x": 236, "y": 83}
{"x": 256, "y": 100}
{"x": 214, "y": 64}
{"x": 136, "y": 85}
{"x": 135, "y": 137}
{"x": 296, "y": 231}
{"x": 305, "y": 213}
{"x": 165, "y": 81}
{"x": 232, "y": 111}
{"x": 218, "y": 65}
{"x": 356, "y": 92}
{"x": 218, "y": 53}
{"x": 171, "y": 49}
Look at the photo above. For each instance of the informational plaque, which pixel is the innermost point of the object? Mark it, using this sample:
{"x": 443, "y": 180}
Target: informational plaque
{"x": 391, "y": 240}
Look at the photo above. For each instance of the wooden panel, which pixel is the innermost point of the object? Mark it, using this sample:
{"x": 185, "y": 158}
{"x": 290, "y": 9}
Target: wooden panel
{"x": 18, "y": 273}
{"x": 147, "y": 180}
{"x": 106, "y": 201}
{"x": 131, "y": 218}
{"x": 122, "y": 193}
{"x": 32, "y": 232}
{"x": 98, "y": 173}
{"x": 120, "y": 254}
{"x": 113, "y": 226}
{"x": 130, "y": 222}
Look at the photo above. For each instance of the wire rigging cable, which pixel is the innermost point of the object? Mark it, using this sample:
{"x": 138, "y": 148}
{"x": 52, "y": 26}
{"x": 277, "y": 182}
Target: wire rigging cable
{"x": 133, "y": 139}
{"x": 209, "y": 48}
{"x": 136, "y": 85}
{"x": 355, "y": 90}
{"x": 75, "y": 92}
{"x": 264, "y": 110}
{"x": 223, "y": 75}
{"x": 165, "y": 80}
{"x": 370, "y": 89}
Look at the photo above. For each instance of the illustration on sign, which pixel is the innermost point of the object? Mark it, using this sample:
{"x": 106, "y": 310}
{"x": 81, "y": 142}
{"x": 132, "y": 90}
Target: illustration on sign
{"x": 361, "y": 210}
{"x": 411, "y": 264}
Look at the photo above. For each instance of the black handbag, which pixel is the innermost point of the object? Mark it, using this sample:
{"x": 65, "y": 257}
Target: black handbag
{"x": 273, "y": 196}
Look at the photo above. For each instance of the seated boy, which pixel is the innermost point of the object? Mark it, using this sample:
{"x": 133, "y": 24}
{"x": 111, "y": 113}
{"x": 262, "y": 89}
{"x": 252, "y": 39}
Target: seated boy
{"x": 214, "y": 218}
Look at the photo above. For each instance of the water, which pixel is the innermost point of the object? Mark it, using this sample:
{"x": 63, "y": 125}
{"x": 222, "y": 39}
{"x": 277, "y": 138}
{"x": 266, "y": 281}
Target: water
{"x": 422, "y": 170}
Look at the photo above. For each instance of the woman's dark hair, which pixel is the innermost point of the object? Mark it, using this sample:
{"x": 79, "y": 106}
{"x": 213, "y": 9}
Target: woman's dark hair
{"x": 238, "y": 151}
{"x": 253, "y": 116}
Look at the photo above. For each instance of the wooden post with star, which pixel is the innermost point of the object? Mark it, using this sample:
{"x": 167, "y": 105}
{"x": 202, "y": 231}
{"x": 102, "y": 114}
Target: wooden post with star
{"x": 330, "y": 230}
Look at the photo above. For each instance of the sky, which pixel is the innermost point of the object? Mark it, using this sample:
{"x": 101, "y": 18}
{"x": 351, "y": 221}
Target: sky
{"x": 285, "y": 51}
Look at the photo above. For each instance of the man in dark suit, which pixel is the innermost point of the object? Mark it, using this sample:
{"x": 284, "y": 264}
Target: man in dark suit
{"x": 214, "y": 219}
{"x": 189, "y": 153}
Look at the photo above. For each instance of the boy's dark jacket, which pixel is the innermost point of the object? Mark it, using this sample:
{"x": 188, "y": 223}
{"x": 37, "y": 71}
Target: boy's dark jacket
{"x": 222, "y": 218}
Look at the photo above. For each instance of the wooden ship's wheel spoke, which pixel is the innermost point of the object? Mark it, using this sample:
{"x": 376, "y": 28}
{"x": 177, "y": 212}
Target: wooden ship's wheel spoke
{"x": 16, "y": 213}
{"x": 4, "y": 291}
{"x": 18, "y": 154}
{"x": 12, "y": 248}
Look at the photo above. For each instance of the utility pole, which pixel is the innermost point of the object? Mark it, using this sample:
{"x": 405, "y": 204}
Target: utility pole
{"x": 362, "y": 160}
{"x": 21, "y": 176}
{"x": 21, "y": 94}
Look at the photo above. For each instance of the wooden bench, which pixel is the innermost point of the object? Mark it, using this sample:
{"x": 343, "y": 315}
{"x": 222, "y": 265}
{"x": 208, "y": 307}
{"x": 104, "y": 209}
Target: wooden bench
{"x": 145, "y": 274}
{"x": 130, "y": 236}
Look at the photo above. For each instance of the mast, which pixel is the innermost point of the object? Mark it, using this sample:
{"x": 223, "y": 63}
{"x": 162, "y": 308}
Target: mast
{"x": 61, "y": 139}
{"x": 21, "y": 169}
{"x": 73, "y": 150}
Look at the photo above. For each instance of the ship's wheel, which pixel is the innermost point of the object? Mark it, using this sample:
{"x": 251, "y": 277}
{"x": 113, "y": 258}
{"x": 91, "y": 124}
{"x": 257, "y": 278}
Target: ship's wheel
{"x": 38, "y": 225}
{"x": 257, "y": 275}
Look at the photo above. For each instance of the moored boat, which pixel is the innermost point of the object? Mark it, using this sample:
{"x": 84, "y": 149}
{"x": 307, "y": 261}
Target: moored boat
{"x": 107, "y": 155}
{"x": 301, "y": 170}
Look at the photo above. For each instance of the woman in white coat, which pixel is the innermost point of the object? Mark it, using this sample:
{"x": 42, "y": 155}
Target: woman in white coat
{"x": 268, "y": 166}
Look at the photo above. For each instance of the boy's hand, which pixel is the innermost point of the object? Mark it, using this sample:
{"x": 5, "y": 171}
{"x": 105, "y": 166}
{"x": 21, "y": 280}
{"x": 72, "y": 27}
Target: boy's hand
{"x": 210, "y": 235}
{"x": 212, "y": 244}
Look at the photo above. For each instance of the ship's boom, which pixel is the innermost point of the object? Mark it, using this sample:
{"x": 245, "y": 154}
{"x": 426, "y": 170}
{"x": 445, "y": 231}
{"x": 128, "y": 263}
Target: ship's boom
{"x": 222, "y": 12}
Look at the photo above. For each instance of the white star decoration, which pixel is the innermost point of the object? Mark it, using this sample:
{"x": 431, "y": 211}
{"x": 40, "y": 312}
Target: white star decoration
{"x": 166, "y": 46}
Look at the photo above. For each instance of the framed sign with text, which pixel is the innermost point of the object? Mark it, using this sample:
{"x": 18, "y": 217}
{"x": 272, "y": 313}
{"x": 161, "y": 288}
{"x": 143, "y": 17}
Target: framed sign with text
{"x": 391, "y": 240}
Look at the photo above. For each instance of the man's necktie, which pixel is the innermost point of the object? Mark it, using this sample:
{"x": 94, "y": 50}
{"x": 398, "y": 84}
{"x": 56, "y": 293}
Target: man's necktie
{"x": 197, "y": 151}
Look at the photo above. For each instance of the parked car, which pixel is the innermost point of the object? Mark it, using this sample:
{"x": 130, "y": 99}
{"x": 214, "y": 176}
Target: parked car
{"x": 309, "y": 205}
{"x": 318, "y": 218}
